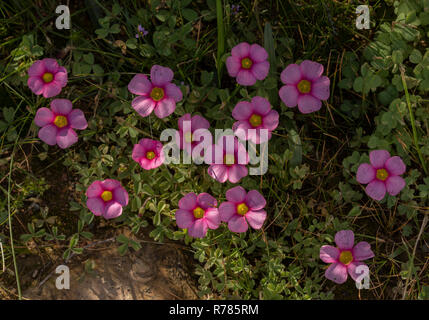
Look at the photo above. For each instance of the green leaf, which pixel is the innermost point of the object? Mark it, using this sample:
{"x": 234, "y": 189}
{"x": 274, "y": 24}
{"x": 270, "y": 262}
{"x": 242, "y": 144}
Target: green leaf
{"x": 190, "y": 14}
{"x": 415, "y": 56}
{"x": 8, "y": 114}
{"x": 206, "y": 78}
{"x": 115, "y": 28}
{"x": 122, "y": 239}
{"x": 88, "y": 58}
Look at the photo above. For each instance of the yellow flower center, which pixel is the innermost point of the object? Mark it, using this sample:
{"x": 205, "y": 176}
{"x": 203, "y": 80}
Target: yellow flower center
{"x": 304, "y": 86}
{"x": 157, "y": 93}
{"x": 255, "y": 120}
{"x": 188, "y": 137}
{"x": 382, "y": 174}
{"x": 228, "y": 159}
{"x": 48, "y": 77}
{"x": 150, "y": 155}
{"x": 242, "y": 209}
{"x": 346, "y": 257}
{"x": 60, "y": 121}
{"x": 106, "y": 195}
{"x": 246, "y": 63}
{"x": 198, "y": 213}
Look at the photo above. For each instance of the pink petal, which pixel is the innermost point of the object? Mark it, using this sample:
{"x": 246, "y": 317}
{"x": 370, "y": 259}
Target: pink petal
{"x": 376, "y": 190}
{"x": 160, "y": 75}
{"x": 238, "y": 224}
{"x": 143, "y": 105}
{"x": 218, "y": 172}
{"x": 113, "y": 210}
{"x": 261, "y": 105}
{"x": 258, "y": 136}
{"x": 307, "y": 104}
{"x": 199, "y": 122}
{"x": 198, "y": 229}
{"x": 227, "y": 210}
{"x": 205, "y": 200}
{"x": 242, "y": 110}
{"x": 43, "y": 117}
{"x": 271, "y": 120}
{"x": 121, "y": 196}
{"x": 188, "y": 202}
{"x": 260, "y": 70}
{"x": 320, "y": 88}
{"x": 236, "y": 194}
{"x": 255, "y": 200}
{"x": 110, "y": 184}
{"x": 140, "y": 85}
{"x": 185, "y": 118}
{"x": 242, "y": 157}
{"x": 51, "y": 65}
{"x": 289, "y": 95}
{"x": 51, "y": 89}
{"x": 394, "y": 185}
{"x": 61, "y": 77}
{"x": 37, "y": 69}
{"x": 94, "y": 190}
{"x": 362, "y": 251}
{"x": 77, "y": 119}
{"x": 233, "y": 65}
{"x": 395, "y": 166}
{"x": 365, "y": 173}
{"x": 66, "y": 137}
{"x": 337, "y": 273}
{"x": 149, "y": 144}
{"x": 184, "y": 218}
{"x": 378, "y": 158}
{"x": 138, "y": 153}
{"x": 241, "y": 50}
{"x": 291, "y": 74}
{"x": 311, "y": 70}
{"x": 150, "y": 164}
{"x": 345, "y": 239}
{"x": 48, "y": 134}
{"x": 258, "y": 53}
{"x": 95, "y": 205}
{"x": 256, "y": 218}
{"x": 165, "y": 107}
{"x": 329, "y": 254}
{"x": 212, "y": 218}
{"x": 241, "y": 128}
{"x": 36, "y": 85}
{"x": 173, "y": 91}
{"x": 245, "y": 78}
{"x": 61, "y": 106}
{"x": 363, "y": 271}
{"x": 237, "y": 172}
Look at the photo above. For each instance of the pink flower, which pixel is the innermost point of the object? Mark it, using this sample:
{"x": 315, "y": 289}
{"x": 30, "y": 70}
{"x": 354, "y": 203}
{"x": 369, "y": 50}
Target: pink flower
{"x": 148, "y": 154}
{"x": 248, "y": 63}
{"x": 242, "y": 209}
{"x": 158, "y": 95}
{"x": 304, "y": 86}
{"x": 197, "y": 213}
{"x": 346, "y": 258}
{"x": 228, "y": 159}
{"x": 187, "y": 126}
{"x": 383, "y": 174}
{"x": 106, "y": 198}
{"x": 47, "y": 77}
{"x": 58, "y": 123}
{"x": 257, "y": 115}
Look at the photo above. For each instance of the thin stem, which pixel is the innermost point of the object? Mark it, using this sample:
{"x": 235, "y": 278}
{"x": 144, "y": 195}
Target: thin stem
{"x": 413, "y": 125}
{"x": 220, "y": 39}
